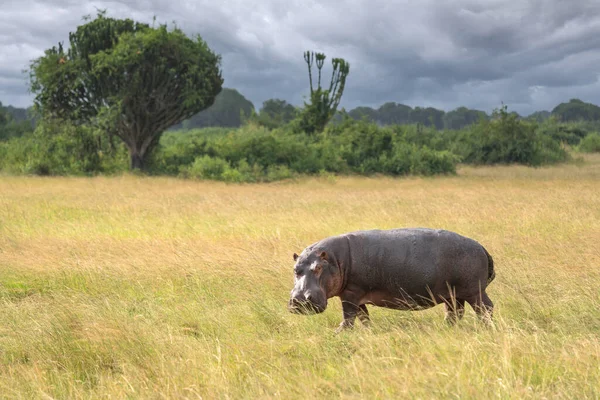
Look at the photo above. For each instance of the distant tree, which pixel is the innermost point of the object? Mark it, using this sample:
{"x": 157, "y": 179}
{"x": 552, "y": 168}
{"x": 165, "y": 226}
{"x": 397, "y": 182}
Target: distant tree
{"x": 17, "y": 114}
{"x": 577, "y": 110}
{"x": 394, "y": 114}
{"x": 226, "y": 111}
{"x": 367, "y": 113}
{"x": 461, "y": 117}
{"x": 516, "y": 115}
{"x": 428, "y": 117}
{"x": 11, "y": 127}
{"x": 323, "y": 102}
{"x": 4, "y": 116}
{"x": 133, "y": 80}
{"x": 275, "y": 113}
{"x": 539, "y": 116}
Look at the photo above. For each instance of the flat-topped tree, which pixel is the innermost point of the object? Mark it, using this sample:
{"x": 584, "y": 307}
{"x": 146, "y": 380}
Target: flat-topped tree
{"x": 323, "y": 102}
{"x": 131, "y": 79}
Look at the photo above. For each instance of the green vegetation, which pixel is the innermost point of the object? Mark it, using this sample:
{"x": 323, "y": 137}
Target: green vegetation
{"x": 275, "y": 113}
{"x": 577, "y": 110}
{"x": 62, "y": 149}
{"x": 14, "y": 123}
{"x": 255, "y": 153}
{"x": 229, "y": 110}
{"x": 505, "y": 139}
{"x": 590, "y": 143}
{"x": 323, "y": 102}
{"x": 128, "y": 79}
{"x": 123, "y": 79}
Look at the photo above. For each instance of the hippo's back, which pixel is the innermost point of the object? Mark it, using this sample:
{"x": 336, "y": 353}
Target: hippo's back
{"x": 416, "y": 260}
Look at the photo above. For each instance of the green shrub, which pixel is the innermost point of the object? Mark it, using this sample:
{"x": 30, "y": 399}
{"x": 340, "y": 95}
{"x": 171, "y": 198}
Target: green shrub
{"x": 569, "y": 133}
{"x": 278, "y": 172}
{"x": 62, "y": 149}
{"x": 256, "y": 154}
{"x": 425, "y": 161}
{"x": 590, "y": 143}
{"x": 548, "y": 151}
{"x": 207, "y": 167}
{"x": 504, "y": 140}
{"x": 232, "y": 175}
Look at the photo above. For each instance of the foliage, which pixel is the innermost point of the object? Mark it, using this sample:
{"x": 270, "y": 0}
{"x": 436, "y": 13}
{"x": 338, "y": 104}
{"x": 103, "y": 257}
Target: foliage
{"x": 254, "y": 153}
{"x": 275, "y": 113}
{"x": 323, "y": 102}
{"x": 392, "y": 114}
{"x": 132, "y": 80}
{"x": 399, "y": 114}
{"x": 462, "y": 117}
{"x": 13, "y": 124}
{"x": 539, "y": 116}
{"x": 569, "y": 133}
{"x": 59, "y": 148}
{"x": 577, "y": 110}
{"x": 590, "y": 143}
{"x": 260, "y": 154}
{"x": 363, "y": 113}
{"x": 506, "y": 139}
{"x": 229, "y": 110}
{"x": 428, "y": 117}
{"x": 18, "y": 114}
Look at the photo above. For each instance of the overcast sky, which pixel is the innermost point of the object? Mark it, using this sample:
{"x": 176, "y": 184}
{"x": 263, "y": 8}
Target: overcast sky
{"x": 529, "y": 54}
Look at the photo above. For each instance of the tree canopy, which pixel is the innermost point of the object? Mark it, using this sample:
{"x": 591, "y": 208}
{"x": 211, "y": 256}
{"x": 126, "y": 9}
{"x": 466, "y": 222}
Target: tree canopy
{"x": 577, "y": 110}
{"x": 323, "y": 102}
{"x": 14, "y": 122}
{"x": 132, "y": 79}
{"x": 275, "y": 113}
{"x": 461, "y": 117}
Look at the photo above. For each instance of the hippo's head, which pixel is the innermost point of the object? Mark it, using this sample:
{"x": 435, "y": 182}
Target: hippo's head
{"x": 312, "y": 272}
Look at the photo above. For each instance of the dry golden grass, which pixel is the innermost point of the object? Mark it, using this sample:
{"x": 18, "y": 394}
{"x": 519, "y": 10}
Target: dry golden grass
{"x": 165, "y": 288}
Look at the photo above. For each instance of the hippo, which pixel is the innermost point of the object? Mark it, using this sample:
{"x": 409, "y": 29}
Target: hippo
{"x": 402, "y": 269}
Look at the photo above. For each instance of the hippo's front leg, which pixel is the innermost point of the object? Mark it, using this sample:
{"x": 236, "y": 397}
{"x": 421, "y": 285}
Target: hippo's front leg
{"x": 350, "y": 309}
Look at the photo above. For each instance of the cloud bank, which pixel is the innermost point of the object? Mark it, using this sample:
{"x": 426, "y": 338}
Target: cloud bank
{"x": 531, "y": 54}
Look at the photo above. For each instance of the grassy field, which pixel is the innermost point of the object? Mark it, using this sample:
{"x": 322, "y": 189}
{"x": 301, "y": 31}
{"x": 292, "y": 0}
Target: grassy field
{"x": 165, "y": 288}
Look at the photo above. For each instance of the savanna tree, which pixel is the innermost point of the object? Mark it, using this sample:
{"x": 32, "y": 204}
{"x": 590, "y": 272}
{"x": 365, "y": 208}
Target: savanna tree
{"x": 129, "y": 78}
{"x": 323, "y": 102}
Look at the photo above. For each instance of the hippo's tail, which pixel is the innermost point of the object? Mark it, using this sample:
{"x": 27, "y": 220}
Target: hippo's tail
{"x": 491, "y": 272}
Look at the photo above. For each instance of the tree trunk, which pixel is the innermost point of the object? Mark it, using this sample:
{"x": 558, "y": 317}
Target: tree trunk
{"x": 137, "y": 160}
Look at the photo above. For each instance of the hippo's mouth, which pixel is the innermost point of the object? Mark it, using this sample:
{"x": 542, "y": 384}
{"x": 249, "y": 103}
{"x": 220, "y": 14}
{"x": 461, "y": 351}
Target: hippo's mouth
{"x": 305, "y": 307}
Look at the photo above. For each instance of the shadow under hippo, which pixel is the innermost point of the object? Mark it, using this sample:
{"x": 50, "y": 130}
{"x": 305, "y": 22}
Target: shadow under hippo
{"x": 403, "y": 269}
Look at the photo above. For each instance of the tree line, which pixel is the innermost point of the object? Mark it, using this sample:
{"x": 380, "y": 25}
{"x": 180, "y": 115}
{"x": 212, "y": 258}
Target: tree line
{"x": 106, "y": 100}
{"x": 231, "y": 109}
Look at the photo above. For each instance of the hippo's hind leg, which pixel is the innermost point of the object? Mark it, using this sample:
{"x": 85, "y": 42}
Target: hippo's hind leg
{"x": 455, "y": 309}
{"x": 483, "y": 306}
{"x": 363, "y": 315}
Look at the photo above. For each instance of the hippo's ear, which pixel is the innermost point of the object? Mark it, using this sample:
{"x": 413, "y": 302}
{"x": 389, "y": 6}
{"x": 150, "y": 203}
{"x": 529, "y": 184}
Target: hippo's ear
{"x": 296, "y": 256}
{"x": 324, "y": 256}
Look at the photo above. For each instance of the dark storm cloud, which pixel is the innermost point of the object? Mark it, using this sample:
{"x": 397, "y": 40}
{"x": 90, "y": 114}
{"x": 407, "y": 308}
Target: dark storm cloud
{"x": 529, "y": 54}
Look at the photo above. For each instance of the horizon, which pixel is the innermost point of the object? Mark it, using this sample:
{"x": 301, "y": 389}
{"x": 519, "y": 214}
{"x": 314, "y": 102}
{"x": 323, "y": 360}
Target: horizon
{"x": 372, "y": 107}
